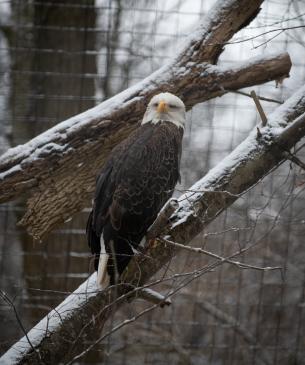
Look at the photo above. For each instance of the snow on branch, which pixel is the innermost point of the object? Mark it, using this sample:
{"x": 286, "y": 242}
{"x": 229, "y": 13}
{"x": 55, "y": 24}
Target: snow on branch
{"x": 66, "y": 331}
{"x": 58, "y": 167}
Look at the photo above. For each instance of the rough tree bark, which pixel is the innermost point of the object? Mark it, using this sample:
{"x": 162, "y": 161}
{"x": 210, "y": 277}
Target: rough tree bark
{"x": 80, "y": 318}
{"x": 58, "y": 168}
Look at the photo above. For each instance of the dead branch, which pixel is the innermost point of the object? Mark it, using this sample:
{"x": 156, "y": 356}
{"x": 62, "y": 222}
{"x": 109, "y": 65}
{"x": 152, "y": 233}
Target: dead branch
{"x": 259, "y": 97}
{"x": 239, "y": 264}
{"x": 58, "y": 168}
{"x": 83, "y": 314}
{"x": 7, "y": 300}
{"x": 153, "y": 297}
{"x": 293, "y": 158}
{"x": 259, "y": 108}
{"x": 277, "y": 30}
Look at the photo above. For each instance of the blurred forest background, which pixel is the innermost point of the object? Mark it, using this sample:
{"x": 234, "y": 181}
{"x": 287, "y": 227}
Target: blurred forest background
{"x": 61, "y": 57}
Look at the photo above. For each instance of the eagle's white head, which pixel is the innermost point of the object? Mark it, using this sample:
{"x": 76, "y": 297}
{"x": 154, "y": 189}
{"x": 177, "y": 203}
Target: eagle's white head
{"x": 165, "y": 107}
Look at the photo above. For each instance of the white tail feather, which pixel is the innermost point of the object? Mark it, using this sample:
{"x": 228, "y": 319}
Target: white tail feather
{"x": 103, "y": 278}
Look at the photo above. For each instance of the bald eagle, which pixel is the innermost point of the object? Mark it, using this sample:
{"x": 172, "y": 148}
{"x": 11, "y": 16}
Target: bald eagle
{"x": 135, "y": 182}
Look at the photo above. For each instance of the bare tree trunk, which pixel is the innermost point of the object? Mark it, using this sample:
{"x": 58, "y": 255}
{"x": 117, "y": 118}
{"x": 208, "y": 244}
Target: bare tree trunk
{"x": 38, "y": 95}
{"x": 48, "y": 46}
{"x": 58, "y": 168}
{"x": 112, "y": 43}
{"x": 80, "y": 318}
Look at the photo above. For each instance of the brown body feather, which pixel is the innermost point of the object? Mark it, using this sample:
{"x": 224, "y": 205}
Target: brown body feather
{"x": 134, "y": 184}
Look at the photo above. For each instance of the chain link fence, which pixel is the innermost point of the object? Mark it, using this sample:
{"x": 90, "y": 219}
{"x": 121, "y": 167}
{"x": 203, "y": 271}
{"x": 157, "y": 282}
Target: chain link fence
{"x": 59, "y": 58}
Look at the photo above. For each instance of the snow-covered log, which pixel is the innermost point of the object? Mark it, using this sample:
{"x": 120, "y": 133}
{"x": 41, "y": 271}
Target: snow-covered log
{"x": 80, "y": 318}
{"x": 58, "y": 167}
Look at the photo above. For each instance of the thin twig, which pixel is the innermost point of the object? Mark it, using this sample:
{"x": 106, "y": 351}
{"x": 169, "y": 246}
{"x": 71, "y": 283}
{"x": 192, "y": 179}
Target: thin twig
{"x": 293, "y": 158}
{"x": 12, "y": 305}
{"x": 211, "y": 254}
{"x": 279, "y": 30}
{"x": 263, "y": 98}
{"x": 269, "y": 39}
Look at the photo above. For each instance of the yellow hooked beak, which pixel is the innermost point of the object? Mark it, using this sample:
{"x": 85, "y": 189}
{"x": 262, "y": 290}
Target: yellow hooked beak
{"x": 162, "y": 107}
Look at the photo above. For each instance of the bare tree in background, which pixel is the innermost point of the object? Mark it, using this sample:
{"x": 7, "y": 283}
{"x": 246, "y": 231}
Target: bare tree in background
{"x": 47, "y": 43}
{"x": 52, "y": 59}
{"x": 121, "y": 53}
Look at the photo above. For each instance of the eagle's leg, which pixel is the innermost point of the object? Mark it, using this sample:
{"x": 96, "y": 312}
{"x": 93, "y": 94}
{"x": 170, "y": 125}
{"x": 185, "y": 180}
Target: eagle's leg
{"x": 120, "y": 253}
{"x": 139, "y": 249}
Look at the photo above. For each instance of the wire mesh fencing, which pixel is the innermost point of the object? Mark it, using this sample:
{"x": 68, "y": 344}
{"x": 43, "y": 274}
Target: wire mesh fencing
{"x": 59, "y": 58}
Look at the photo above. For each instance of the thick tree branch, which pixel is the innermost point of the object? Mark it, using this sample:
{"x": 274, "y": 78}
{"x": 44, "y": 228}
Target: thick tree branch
{"x": 58, "y": 168}
{"x": 162, "y": 219}
{"x": 82, "y": 315}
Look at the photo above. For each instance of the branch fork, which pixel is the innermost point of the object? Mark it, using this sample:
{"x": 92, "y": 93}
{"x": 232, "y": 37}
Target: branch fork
{"x": 193, "y": 74}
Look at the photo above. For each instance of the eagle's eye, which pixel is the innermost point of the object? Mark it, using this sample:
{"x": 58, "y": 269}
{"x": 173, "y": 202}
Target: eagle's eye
{"x": 173, "y": 106}
{"x": 155, "y": 105}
